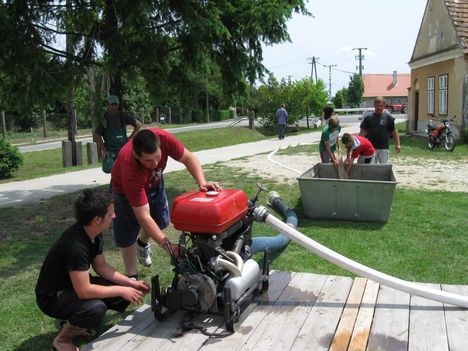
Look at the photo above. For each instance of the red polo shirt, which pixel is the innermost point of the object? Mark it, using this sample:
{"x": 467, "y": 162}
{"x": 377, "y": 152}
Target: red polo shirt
{"x": 365, "y": 148}
{"x": 134, "y": 180}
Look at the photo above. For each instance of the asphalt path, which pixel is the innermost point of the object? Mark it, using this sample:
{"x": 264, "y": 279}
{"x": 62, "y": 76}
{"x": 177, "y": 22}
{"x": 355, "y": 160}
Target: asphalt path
{"x": 57, "y": 144}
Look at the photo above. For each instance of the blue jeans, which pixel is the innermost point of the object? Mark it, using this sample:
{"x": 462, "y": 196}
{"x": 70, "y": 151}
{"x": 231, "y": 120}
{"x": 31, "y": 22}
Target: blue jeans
{"x": 281, "y": 130}
{"x": 126, "y": 227}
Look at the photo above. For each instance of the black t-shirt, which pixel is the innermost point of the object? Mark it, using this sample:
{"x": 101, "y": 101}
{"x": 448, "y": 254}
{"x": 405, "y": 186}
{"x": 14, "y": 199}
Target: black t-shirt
{"x": 73, "y": 251}
{"x": 379, "y": 128}
{"x": 327, "y": 112}
{"x": 118, "y": 121}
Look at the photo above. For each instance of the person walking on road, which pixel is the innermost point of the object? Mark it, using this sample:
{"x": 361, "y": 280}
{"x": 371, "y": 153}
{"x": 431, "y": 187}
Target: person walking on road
{"x": 140, "y": 197}
{"x": 282, "y": 118}
{"x": 112, "y": 133}
{"x": 378, "y": 127}
{"x": 66, "y": 290}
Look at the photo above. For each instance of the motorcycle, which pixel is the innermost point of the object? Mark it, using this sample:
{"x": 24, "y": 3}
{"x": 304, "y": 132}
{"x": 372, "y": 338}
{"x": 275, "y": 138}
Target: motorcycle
{"x": 440, "y": 133}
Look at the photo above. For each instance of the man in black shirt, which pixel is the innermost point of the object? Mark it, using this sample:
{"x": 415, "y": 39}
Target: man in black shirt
{"x": 65, "y": 288}
{"x": 327, "y": 112}
{"x": 378, "y": 127}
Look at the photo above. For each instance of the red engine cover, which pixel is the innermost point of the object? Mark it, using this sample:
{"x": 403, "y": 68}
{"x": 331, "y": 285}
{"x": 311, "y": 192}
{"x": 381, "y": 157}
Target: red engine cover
{"x": 209, "y": 212}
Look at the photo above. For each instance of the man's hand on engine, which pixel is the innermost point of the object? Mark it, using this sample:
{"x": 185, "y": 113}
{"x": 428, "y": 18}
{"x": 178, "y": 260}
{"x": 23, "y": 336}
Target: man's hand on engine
{"x": 210, "y": 186}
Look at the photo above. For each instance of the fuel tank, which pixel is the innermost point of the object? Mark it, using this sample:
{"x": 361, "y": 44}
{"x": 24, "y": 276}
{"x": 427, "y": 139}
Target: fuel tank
{"x": 210, "y": 212}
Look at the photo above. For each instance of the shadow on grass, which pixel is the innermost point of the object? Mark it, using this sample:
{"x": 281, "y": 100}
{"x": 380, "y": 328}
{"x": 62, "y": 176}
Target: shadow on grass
{"x": 38, "y": 342}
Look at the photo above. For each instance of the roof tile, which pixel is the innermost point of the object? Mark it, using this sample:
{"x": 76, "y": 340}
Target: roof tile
{"x": 381, "y": 85}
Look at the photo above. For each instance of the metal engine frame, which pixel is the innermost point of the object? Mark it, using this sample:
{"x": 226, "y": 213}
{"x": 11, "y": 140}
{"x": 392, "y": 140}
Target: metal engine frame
{"x": 206, "y": 278}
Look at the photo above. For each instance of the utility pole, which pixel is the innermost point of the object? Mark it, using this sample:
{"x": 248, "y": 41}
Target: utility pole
{"x": 360, "y": 57}
{"x": 313, "y": 67}
{"x": 329, "y": 79}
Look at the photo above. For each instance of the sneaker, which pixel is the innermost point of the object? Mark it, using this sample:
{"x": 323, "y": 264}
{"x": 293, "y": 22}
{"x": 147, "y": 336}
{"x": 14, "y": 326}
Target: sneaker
{"x": 144, "y": 255}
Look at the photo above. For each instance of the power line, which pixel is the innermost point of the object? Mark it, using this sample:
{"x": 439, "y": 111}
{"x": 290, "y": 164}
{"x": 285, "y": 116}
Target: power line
{"x": 287, "y": 64}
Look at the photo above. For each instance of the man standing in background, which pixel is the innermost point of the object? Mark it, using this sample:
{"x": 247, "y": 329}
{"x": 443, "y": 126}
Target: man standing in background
{"x": 282, "y": 117}
{"x": 377, "y": 127}
{"x": 112, "y": 133}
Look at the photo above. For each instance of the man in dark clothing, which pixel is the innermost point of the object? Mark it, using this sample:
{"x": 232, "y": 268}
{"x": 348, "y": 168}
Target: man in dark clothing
{"x": 377, "y": 127}
{"x": 112, "y": 134}
{"x": 282, "y": 118}
{"x": 327, "y": 112}
{"x": 66, "y": 290}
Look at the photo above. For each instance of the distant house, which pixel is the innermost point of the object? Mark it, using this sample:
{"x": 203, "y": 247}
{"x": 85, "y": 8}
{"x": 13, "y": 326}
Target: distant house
{"x": 393, "y": 87}
{"x": 439, "y": 66}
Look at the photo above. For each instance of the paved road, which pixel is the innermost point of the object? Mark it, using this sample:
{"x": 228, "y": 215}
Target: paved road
{"x": 33, "y": 190}
{"x": 244, "y": 122}
{"x": 58, "y": 143}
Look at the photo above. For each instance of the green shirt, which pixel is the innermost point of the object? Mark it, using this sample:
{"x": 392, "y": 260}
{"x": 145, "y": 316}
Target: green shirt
{"x": 330, "y": 136}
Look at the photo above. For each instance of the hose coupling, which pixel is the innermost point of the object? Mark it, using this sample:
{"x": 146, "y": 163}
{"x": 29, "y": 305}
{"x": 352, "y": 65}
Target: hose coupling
{"x": 260, "y": 213}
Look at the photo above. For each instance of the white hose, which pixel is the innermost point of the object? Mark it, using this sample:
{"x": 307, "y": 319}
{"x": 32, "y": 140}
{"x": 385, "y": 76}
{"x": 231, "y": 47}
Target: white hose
{"x": 261, "y": 214}
{"x": 270, "y": 158}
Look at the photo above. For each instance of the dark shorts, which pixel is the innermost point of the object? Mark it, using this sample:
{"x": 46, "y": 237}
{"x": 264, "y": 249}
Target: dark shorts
{"x": 126, "y": 227}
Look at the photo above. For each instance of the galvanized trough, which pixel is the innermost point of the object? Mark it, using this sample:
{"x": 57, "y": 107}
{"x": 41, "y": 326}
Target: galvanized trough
{"x": 366, "y": 196}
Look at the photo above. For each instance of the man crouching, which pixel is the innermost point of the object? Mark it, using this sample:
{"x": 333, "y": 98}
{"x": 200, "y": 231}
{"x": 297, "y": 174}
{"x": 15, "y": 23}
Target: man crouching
{"x": 66, "y": 290}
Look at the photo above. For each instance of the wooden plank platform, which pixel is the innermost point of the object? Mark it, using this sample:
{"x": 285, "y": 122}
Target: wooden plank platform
{"x": 304, "y": 311}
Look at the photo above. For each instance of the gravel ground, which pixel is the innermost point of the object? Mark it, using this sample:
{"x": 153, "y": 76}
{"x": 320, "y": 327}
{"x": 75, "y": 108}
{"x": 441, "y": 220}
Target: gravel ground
{"x": 410, "y": 172}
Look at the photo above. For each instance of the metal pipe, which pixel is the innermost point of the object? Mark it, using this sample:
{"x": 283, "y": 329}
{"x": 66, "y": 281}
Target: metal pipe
{"x": 234, "y": 268}
{"x": 261, "y": 214}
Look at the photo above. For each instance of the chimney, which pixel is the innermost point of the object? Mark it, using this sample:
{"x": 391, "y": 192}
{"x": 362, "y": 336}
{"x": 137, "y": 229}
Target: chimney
{"x": 394, "y": 81}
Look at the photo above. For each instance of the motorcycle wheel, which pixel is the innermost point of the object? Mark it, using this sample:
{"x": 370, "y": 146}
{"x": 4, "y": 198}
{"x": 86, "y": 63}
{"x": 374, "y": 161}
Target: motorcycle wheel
{"x": 449, "y": 142}
{"x": 431, "y": 143}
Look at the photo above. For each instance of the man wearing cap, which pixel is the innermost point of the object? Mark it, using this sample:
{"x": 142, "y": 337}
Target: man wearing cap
{"x": 112, "y": 134}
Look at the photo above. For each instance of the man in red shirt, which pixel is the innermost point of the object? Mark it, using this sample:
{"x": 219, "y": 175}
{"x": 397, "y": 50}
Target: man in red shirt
{"x": 139, "y": 197}
{"x": 356, "y": 146}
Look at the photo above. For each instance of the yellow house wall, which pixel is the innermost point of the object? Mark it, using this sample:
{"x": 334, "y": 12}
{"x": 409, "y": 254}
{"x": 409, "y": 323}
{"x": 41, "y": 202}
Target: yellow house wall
{"x": 456, "y": 70}
{"x": 436, "y": 33}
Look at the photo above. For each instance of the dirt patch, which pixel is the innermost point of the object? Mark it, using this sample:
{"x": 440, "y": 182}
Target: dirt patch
{"x": 410, "y": 172}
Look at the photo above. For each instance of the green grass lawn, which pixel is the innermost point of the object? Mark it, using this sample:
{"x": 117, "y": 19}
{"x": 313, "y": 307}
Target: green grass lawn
{"x": 424, "y": 240}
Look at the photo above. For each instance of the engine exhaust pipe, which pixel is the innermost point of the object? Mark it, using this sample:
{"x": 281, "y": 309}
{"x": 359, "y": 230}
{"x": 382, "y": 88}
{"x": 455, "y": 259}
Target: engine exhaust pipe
{"x": 234, "y": 268}
{"x": 261, "y": 214}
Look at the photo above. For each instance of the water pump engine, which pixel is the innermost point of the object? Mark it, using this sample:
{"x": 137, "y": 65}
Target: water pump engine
{"x": 214, "y": 271}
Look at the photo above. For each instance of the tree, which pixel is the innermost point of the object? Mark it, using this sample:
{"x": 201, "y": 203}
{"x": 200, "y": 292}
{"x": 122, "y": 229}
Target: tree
{"x": 340, "y": 98}
{"x": 301, "y": 98}
{"x": 161, "y": 38}
{"x": 355, "y": 90}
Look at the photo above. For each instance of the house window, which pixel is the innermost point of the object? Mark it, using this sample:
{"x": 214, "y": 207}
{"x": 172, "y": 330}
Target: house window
{"x": 430, "y": 95}
{"x": 443, "y": 88}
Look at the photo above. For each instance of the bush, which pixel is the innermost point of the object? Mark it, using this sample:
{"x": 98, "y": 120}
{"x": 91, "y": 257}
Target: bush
{"x": 10, "y": 159}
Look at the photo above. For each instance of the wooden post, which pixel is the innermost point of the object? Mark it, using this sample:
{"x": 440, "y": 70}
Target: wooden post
{"x": 3, "y": 125}
{"x": 92, "y": 152}
{"x": 157, "y": 115}
{"x": 67, "y": 153}
{"x": 170, "y": 115}
{"x": 77, "y": 153}
{"x": 142, "y": 114}
{"x": 44, "y": 123}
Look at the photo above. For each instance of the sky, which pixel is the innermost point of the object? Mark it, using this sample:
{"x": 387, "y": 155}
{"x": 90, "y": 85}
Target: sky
{"x": 387, "y": 28}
